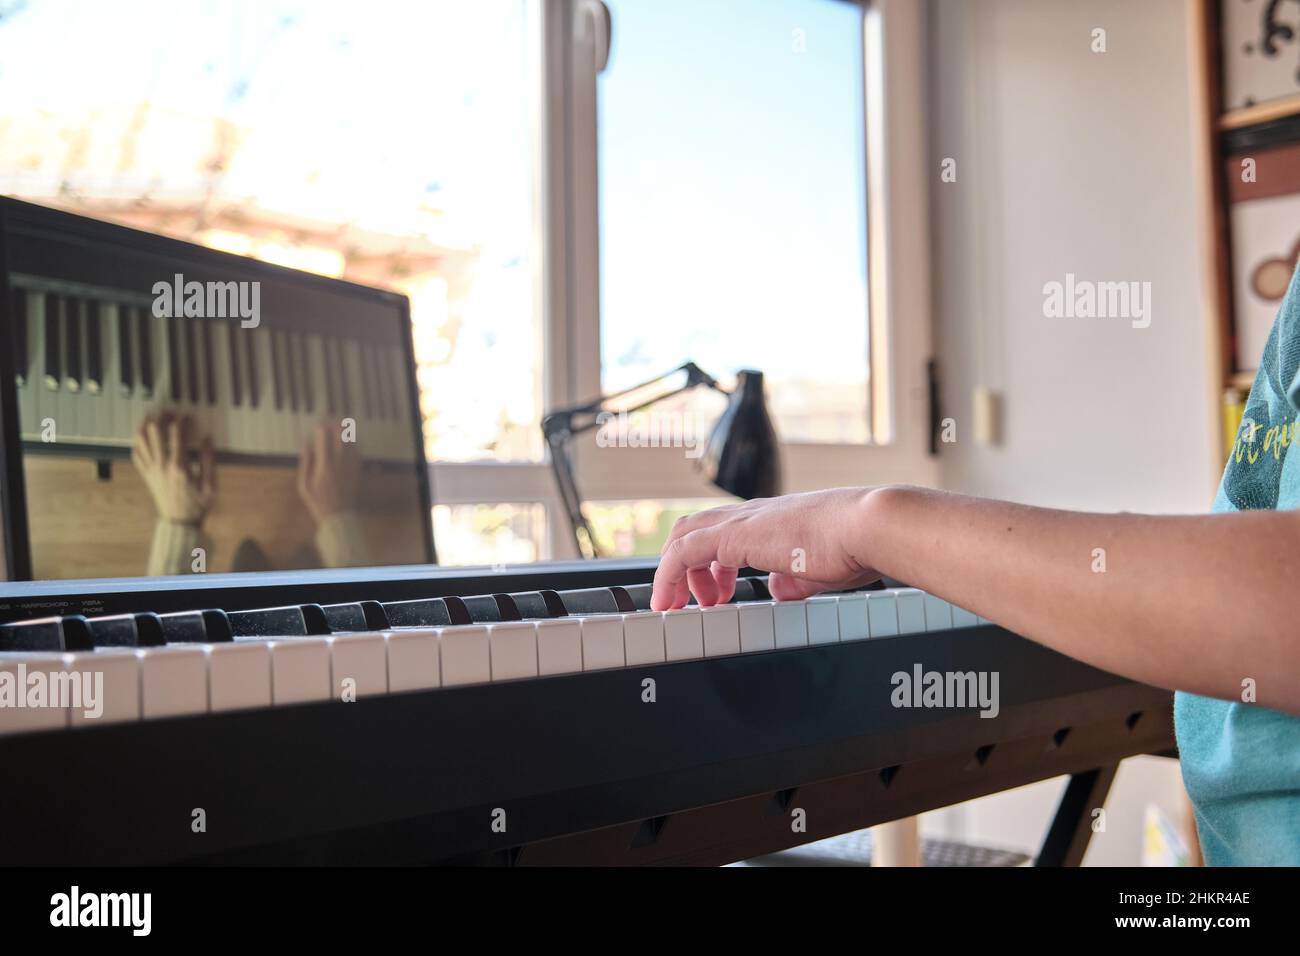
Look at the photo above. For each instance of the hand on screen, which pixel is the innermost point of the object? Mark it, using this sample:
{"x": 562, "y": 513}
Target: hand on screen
{"x": 329, "y": 473}
{"x": 182, "y": 484}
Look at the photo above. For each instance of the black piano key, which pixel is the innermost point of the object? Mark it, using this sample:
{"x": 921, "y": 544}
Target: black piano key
{"x": 73, "y": 371}
{"x": 378, "y": 357}
{"x": 68, "y": 633}
{"x": 532, "y": 604}
{"x": 125, "y": 630}
{"x": 393, "y": 394}
{"x": 276, "y": 368}
{"x": 209, "y": 362}
{"x": 425, "y": 612}
{"x": 639, "y": 595}
{"x": 126, "y": 357}
{"x": 269, "y": 622}
{"x": 356, "y": 616}
{"x": 254, "y": 381}
{"x": 482, "y": 608}
{"x": 191, "y": 339}
{"x": 149, "y": 629}
{"x": 18, "y": 319}
{"x": 345, "y": 617}
{"x": 53, "y": 340}
{"x": 196, "y": 627}
{"x": 291, "y": 365}
{"x": 315, "y": 619}
{"x": 174, "y": 351}
{"x": 144, "y": 341}
{"x": 367, "y": 383}
{"x": 507, "y": 607}
{"x": 376, "y": 616}
{"x": 596, "y": 601}
{"x": 236, "y": 374}
{"x": 344, "y": 380}
{"x": 308, "y": 398}
{"x": 94, "y": 350}
{"x": 331, "y": 388}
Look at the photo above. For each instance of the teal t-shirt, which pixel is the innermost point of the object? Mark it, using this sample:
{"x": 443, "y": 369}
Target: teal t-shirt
{"x": 1241, "y": 762}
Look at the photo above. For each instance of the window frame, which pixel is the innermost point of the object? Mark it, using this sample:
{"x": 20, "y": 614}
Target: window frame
{"x": 568, "y": 41}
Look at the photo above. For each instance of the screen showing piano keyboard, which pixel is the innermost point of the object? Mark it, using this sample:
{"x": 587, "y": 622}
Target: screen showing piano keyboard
{"x": 180, "y": 410}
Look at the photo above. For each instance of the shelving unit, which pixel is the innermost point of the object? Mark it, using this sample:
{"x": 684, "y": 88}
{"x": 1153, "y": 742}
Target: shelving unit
{"x": 1219, "y": 134}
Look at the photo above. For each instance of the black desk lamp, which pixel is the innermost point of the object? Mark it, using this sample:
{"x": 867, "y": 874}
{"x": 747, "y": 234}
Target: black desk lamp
{"x": 740, "y": 457}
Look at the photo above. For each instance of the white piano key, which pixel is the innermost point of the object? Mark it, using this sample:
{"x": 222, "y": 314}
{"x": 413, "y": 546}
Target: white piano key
{"x": 268, "y": 434}
{"x": 790, "y": 619}
{"x": 17, "y": 683}
{"x": 362, "y": 658}
{"x": 852, "y": 610}
{"x": 938, "y": 614}
{"x": 116, "y": 674}
{"x": 239, "y": 675}
{"x": 823, "y": 619}
{"x": 402, "y": 425}
{"x": 159, "y": 332}
{"x": 119, "y": 405}
{"x": 683, "y": 634}
{"x": 757, "y": 627}
{"x": 882, "y": 613}
{"x": 513, "y": 646}
{"x": 643, "y": 637}
{"x": 721, "y": 626}
{"x": 413, "y": 662}
{"x": 602, "y": 641}
{"x": 97, "y": 422}
{"x": 222, "y": 417}
{"x": 320, "y": 407}
{"x": 963, "y": 618}
{"x": 911, "y": 611}
{"x": 465, "y": 654}
{"x": 559, "y": 646}
{"x": 173, "y": 681}
{"x": 300, "y": 670}
{"x": 29, "y": 393}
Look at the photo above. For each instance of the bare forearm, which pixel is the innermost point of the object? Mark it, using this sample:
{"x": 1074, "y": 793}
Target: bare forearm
{"x": 1196, "y": 603}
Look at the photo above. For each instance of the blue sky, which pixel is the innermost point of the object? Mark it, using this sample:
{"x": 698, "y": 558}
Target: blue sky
{"x": 732, "y": 189}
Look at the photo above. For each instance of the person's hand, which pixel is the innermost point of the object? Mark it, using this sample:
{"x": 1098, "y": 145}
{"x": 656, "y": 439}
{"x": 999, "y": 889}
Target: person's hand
{"x": 183, "y": 486}
{"x": 808, "y": 542}
{"x": 329, "y": 473}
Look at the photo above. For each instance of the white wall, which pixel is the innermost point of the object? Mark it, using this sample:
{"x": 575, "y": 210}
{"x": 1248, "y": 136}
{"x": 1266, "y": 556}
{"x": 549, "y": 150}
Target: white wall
{"x": 1069, "y": 161}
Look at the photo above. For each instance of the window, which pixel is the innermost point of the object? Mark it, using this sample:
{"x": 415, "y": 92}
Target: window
{"x": 394, "y": 148}
{"x": 732, "y": 202}
{"x": 722, "y": 192}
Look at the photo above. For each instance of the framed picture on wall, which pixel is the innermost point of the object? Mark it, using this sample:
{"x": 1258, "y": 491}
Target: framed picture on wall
{"x": 1261, "y": 51}
{"x": 1262, "y": 176}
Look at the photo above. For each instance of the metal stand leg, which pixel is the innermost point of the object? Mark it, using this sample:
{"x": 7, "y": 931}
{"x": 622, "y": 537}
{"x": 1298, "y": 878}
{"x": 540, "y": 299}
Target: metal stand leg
{"x": 1071, "y": 829}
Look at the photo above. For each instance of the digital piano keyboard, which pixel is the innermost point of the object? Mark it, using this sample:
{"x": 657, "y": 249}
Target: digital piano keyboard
{"x": 533, "y": 715}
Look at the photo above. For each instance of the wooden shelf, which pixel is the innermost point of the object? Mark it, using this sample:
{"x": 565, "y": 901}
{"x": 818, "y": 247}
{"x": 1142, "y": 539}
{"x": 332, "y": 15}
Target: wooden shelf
{"x": 1242, "y": 380}
{"x": 1261, "y": 113}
